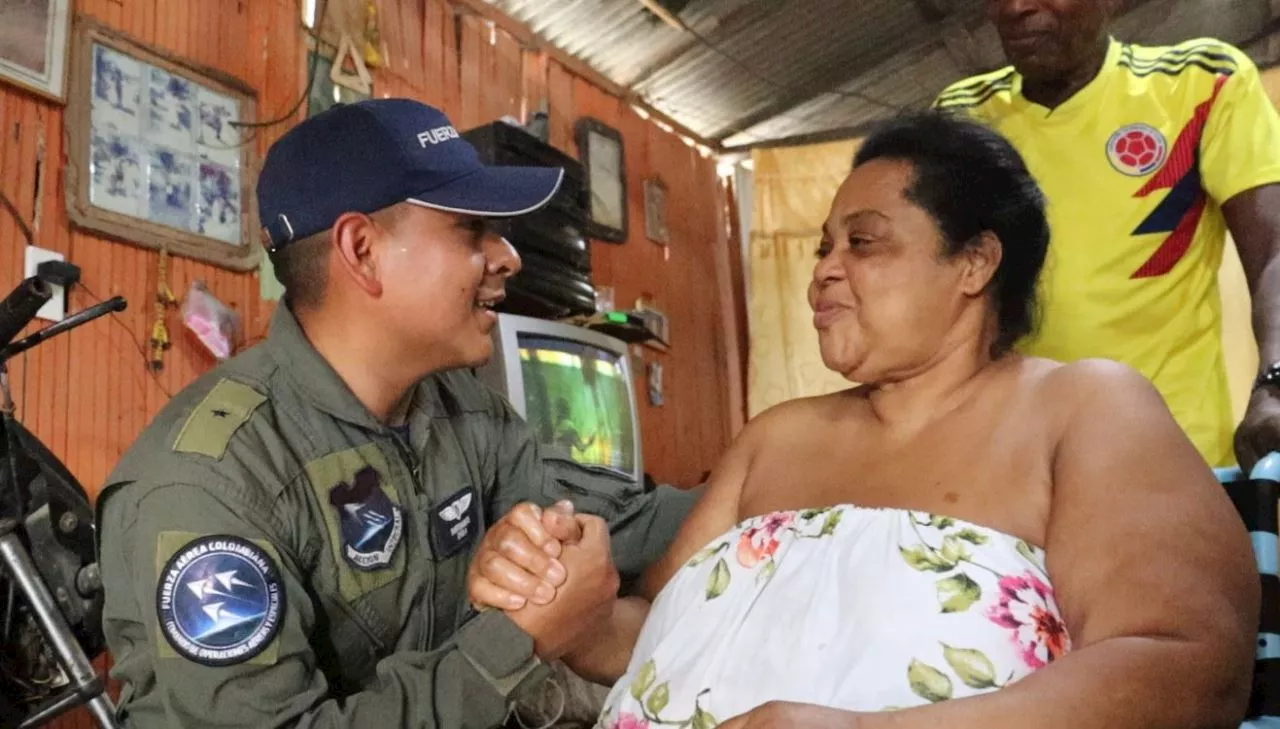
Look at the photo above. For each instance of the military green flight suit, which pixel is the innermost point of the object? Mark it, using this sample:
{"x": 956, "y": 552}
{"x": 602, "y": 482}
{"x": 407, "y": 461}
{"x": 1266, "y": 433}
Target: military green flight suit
{"x": 274, "y": 556}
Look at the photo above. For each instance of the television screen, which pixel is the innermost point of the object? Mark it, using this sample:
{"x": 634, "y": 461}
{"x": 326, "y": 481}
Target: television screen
{"x": 577, "y": 398}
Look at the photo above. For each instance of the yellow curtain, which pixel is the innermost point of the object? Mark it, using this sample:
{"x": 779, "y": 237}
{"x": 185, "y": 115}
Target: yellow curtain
{"x": 793, "y": 191}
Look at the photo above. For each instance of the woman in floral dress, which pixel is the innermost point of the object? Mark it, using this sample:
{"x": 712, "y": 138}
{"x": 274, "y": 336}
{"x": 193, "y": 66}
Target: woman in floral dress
{"x": 971, "y": 538}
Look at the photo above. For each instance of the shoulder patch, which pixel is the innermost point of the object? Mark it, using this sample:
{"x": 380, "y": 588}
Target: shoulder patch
{"x": 212, "y": 422}
{"x": 220, "y": 600}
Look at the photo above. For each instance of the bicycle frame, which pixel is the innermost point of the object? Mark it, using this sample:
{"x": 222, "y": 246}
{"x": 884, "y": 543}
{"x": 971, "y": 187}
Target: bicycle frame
{"x": 41, "y": 497}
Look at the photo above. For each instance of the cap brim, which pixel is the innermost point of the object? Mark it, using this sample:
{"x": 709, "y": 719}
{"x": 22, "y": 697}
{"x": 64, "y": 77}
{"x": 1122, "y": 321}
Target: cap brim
{"x": 495, "y": 192}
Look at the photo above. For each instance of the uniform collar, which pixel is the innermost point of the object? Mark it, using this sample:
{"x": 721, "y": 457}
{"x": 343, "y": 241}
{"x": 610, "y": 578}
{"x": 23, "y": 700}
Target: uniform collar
{"x": 316, "y": 379}
{"x": 1082, "y": 99}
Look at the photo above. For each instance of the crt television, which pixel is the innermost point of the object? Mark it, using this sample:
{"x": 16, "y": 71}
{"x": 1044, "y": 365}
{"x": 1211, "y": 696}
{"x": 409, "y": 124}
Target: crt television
{"x": 574, "y": 388}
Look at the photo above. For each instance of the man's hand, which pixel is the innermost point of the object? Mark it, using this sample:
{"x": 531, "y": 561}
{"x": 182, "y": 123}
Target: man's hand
{"x": 517, "y": 560}
{"x": 784, "y": 714}
{"x": 583, "y": 601}
{"x": 1259, "y": 431}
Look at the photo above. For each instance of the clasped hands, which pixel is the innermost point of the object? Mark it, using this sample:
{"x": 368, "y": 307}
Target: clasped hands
{"x": 551, "y": 570}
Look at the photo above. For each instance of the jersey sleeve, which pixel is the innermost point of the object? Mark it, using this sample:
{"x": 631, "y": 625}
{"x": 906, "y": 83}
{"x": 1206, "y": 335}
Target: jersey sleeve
{"x": 1240, "y": 148}
{"x": 208, "y": 618}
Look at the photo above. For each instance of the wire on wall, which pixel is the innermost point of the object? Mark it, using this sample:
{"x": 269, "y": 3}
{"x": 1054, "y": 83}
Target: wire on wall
{"x": 312, "y": 67}
{"x": 17, "y": 218}
{"x": 142, "y": 351}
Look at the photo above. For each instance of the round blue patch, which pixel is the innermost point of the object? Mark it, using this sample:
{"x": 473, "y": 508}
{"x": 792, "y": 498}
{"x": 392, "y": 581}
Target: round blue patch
{"x": 220, "y": 600}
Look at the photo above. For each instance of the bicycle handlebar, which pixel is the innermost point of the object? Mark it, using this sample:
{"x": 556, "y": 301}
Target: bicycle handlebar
{"x": 115, "y": 303}
{"x": 20, "y": 307}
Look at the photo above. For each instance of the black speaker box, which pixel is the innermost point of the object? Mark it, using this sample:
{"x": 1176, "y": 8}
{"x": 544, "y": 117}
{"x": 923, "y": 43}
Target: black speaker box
{"x": 556, "y": 279}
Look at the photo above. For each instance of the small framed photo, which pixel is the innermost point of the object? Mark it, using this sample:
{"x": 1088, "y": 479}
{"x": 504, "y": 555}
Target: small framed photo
{"x": 655, "y": 211}
{"x": 154, "y": 156}
{"x": 33, "y": 45}
{"x": 601, "y": 148}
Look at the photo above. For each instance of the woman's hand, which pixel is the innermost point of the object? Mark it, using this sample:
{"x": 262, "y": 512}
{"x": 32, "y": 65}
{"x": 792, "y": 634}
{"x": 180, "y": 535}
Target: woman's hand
{"x": 517, "y": 561}
{"x": 784, "y": 714}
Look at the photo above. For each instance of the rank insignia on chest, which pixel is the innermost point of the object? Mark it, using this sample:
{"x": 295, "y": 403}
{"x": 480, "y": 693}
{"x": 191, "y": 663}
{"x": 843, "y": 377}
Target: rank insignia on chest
{"x": 456, "y": 520}
{"x": 370, "y": 524}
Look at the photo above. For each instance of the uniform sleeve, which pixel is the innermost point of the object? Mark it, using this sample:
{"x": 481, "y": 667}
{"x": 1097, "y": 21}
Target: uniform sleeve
{"x": 460, "y": 685}
{"x": 641, "y": 523}
{"x": 1240, "y": 148}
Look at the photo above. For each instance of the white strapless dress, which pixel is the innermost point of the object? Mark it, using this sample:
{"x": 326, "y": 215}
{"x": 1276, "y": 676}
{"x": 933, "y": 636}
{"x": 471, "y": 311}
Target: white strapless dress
{"x": 848, "y": 607}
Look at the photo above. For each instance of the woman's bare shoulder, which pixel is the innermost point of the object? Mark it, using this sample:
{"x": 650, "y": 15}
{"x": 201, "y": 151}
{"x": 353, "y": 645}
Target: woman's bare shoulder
{"x": 785, "y": 416}
{"x": 1085, "y": 393}
{"x": 1093, "y": 381}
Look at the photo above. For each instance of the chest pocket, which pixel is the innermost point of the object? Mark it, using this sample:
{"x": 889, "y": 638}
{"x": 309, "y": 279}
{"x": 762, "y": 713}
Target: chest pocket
{"x": 366, "y": 535}
{"x": 452, "y": 511}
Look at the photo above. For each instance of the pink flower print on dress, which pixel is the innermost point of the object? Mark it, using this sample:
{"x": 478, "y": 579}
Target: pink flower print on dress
{"x": 761, "y": 541}
{"x": 1026, "y": 607}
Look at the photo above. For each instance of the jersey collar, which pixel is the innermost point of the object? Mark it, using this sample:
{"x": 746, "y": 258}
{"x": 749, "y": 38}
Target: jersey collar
{"x": 1083, "y": 99}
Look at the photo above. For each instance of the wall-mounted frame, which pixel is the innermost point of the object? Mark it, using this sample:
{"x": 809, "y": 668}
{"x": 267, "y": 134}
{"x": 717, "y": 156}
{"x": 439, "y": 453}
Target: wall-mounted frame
{"x": 655, "y": 211}
{"x": 152, "y": 156}
{"x": 601, "y": 150}
{"x": 33, "y": 45}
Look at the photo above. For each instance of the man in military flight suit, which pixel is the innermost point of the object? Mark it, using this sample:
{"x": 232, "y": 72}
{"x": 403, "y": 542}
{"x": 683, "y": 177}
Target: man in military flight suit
{"x": 287, "y": 543}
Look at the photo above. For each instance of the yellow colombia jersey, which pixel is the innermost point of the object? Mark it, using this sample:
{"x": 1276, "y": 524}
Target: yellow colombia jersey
{"x": 1135, "y": 168}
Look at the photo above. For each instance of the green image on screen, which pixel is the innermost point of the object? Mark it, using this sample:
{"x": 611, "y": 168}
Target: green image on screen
{"x": 577, "y": 399}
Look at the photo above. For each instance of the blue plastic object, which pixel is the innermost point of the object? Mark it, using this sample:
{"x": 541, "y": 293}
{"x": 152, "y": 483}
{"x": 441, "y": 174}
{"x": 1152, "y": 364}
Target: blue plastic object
{"x": 1266, "y": 469}
{"x": 1265, "y": 547}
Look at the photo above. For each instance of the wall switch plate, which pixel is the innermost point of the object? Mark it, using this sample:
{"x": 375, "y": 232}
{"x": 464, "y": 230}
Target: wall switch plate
{"x": 55, "y": 309}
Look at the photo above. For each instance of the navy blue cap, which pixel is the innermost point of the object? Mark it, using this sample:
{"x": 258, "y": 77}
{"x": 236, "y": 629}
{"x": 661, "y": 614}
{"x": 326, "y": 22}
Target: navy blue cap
{"x": 371, "y": 155}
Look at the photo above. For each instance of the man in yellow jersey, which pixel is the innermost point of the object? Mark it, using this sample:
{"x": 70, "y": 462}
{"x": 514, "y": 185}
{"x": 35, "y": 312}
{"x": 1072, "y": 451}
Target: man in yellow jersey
{"x": 1148, "y": 156}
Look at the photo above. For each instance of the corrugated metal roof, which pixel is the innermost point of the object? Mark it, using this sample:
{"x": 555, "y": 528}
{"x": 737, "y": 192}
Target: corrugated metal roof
{"x": 750, "y": 71}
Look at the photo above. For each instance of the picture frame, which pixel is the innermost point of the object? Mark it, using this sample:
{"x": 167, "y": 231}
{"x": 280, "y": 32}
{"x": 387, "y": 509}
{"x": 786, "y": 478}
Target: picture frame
{"x": 152, "y": 157}
{"x": 34, "y": 46}
{"x": 602, "y": 152}
{"x": 655, "y": 211}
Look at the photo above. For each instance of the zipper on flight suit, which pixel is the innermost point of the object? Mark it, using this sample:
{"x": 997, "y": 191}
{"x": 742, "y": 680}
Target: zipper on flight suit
{"x": 415, "y": 471}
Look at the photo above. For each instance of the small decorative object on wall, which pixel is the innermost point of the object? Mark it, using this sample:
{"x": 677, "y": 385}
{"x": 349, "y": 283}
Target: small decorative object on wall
{"x": 153, "y": 156}
{"x": 375, "y": 51}
{"x": 601, "y": 150}
{"x": 324, "y": 92}
{"x": 214, "y": 323}
{"x": 653, "y": 374}
{"x": 604, "y": 299}
{"x": 33, "y": 45}
{"x": 348, "y": 69}
{"x": 655, "y": 211}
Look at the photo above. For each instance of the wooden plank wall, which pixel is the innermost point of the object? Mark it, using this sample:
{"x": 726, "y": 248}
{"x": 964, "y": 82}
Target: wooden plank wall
{"x": 87, "y": 394}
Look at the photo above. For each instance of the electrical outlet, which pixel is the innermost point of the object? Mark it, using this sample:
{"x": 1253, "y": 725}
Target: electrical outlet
{"x": 55, "y": 309}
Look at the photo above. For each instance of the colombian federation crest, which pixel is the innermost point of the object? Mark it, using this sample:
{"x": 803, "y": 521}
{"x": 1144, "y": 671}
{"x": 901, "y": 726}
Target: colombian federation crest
{"x": 370, "y": 524}
{"x": 220, "y": 600}
{"x": 1137, "y": 150}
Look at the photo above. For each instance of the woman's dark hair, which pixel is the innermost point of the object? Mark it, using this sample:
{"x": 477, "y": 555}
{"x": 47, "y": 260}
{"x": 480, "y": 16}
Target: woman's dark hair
{"x": 970, "y": 179}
